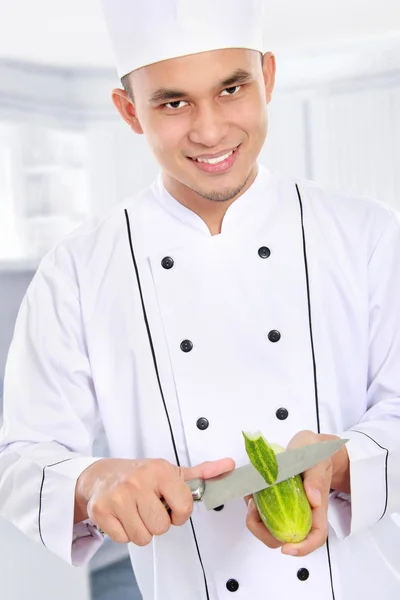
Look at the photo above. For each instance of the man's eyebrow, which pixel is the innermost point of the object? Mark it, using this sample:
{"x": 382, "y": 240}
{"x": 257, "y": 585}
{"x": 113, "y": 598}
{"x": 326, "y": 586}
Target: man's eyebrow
{"x": 163, "y": 95}
{"x": 239, "y": 76}
{"x": 166, "y": 95}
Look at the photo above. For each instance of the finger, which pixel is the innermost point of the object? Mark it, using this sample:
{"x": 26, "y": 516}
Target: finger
{"x": 153, "y": 514}
{"x": 105, "y": 519}
{"x": 317, "y": 483}
{"x": 313, "y": 493}
{"x": 207, "y": 470}
{"x": 315, "y": 539}
{"x": 248, "y": 498}
{"x": 112, "y": 527}
{"x": 303, "y": 438}
{"x": 256, "y": 526}
{"x": 179, "y": 499}
{"x": 133, "y": 524}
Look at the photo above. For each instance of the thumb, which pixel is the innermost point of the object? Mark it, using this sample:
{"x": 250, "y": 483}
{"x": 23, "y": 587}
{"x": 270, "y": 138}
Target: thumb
{"x": 317, "y": 483}
{"x": 209, "y": 469}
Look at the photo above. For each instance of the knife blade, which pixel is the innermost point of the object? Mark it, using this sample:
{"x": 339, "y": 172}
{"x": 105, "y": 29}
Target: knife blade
{"x": 247, "y": 480}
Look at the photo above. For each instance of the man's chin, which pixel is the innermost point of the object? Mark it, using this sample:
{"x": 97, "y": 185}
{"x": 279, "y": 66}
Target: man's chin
{"x": 221, "y": 194}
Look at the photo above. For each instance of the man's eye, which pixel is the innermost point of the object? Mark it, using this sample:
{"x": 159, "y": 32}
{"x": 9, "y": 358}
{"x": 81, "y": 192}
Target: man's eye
{"x": 232, "y": 91}
{"x": 174, "y": 105}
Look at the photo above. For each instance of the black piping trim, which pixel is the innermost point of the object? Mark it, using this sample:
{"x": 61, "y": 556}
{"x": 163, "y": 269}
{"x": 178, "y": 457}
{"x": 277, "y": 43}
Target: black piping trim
{"x": 330, "y": 567}
{"x": 41, "y": 492}
{"x": 386, "y": 467}
{"x": 159, "y": 380}
{"x": 309, "y": 309}
{"x": 313, "y": 354}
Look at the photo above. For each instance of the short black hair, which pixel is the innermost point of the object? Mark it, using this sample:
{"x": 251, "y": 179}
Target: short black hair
{"x": 126, "y": 84}
{"x": 126, "y": 81}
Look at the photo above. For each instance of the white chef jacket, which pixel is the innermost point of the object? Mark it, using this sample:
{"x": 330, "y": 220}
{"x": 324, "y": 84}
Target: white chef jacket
{"x": 177, "y": 341}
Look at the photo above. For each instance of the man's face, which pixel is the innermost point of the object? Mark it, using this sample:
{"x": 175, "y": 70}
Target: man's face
{"x": 196, "y": 109}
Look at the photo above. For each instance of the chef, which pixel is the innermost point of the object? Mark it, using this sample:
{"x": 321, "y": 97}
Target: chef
{"x": 223, "y": 298}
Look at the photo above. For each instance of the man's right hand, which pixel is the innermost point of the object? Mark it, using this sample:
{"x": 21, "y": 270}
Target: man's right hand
{"x": 123, "y": 497}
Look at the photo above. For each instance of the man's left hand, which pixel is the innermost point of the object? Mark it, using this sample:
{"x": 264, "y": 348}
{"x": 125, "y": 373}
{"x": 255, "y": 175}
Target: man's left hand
{"x": 317, "y": 484}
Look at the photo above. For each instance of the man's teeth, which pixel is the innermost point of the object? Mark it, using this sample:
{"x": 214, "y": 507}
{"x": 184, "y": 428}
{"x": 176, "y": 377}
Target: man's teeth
{"x": 215, "y": 161}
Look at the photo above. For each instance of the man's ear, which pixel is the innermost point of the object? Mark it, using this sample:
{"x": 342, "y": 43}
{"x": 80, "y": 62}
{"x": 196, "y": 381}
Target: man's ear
{"x": 269, "y": 71}
{"x": 126, "y": 109}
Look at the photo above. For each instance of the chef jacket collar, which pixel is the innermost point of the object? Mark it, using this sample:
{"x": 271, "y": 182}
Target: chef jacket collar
{"x": 244, "y": 210}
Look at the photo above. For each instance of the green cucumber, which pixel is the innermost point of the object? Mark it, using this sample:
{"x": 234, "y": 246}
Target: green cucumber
{"x": 284, "y": 507}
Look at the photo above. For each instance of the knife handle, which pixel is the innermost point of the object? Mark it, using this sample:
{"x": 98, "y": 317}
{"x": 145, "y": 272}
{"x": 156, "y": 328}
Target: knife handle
{"x": 196, "y": 486}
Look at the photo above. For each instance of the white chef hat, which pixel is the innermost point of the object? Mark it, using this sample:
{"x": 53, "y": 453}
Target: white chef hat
{"x": 143, "y": 32}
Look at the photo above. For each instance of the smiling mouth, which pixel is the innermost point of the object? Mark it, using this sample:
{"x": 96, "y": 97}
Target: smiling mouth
{"x": 218, "y": 159}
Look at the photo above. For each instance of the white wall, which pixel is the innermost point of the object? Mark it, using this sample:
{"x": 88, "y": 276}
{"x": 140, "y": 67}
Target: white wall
{"x": 12, "y": 289}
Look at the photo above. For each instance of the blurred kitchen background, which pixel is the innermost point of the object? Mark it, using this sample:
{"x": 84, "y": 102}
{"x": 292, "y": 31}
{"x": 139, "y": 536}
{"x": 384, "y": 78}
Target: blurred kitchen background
{"x": 65, "y": 155}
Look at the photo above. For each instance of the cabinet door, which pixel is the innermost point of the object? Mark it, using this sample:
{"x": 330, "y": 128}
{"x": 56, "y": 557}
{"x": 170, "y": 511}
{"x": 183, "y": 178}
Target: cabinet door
{"x": 286, "y": 147}
{"x": 10, "y": 243}
{"x": 354, "y": 140}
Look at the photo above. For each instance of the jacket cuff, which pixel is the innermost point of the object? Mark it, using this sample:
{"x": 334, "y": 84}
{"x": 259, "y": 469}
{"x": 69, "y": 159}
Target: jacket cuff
{"x": 367, "y": 502}
{"x": 75, "y": 544}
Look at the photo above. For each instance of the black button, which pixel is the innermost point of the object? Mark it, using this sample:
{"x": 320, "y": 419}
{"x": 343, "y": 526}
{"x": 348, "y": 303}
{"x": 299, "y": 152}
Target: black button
{"x": 282, "y": 414}
{"x": 218, "y": 508}
{"x": 274, "y": 336}
{"x": 202, "y": 423}
{"x": 167, "y": 262}
{"x": 264, "y": 252}
{"x": 186, "y": 346}
{"x": 232, "y": 585}
{"x": 303, "y": 574}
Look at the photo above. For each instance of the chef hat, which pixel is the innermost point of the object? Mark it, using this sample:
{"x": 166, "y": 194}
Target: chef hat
{"x": 143, "y": 32}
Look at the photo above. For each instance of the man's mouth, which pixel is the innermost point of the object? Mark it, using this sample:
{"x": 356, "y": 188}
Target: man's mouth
{"x": 214, "y": 160}
{"x": 216, "y": 164}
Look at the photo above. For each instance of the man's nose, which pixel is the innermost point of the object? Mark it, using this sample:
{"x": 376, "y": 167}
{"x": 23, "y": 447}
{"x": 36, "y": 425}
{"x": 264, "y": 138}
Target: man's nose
{"x": 209, "y": 127}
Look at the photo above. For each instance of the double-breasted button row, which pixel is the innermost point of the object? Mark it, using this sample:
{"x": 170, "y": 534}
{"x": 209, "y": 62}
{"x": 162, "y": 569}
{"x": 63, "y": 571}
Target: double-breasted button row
{"x": 232, "y": 585}
{"x": 274, "y": 336}
{"x": 168, "y": 262}
{"x": 202, "y": 423}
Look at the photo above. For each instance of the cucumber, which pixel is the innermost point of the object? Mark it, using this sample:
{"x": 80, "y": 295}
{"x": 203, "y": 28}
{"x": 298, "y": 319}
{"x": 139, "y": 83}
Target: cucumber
{"x": 283, "y": 507}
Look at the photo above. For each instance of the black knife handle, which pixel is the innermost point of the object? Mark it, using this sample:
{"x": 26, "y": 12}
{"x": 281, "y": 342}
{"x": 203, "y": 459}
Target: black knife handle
{"x": 196, "y": 486}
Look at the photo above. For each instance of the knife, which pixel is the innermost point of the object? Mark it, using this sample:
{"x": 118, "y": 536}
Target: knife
{"x": 246, "y": 480}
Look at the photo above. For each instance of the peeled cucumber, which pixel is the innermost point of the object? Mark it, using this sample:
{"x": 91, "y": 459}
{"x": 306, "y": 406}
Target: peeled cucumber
{"x": 283, "y": 507}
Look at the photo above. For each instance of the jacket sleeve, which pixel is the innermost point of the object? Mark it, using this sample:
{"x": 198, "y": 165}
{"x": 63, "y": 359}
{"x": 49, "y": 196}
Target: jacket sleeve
{"x": 374, "y": 446}
{"x": 50, "y": 418}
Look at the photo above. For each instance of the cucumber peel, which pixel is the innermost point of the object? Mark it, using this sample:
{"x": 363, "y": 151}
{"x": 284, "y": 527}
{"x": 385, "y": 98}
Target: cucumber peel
{"x": 262, "y": 456}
